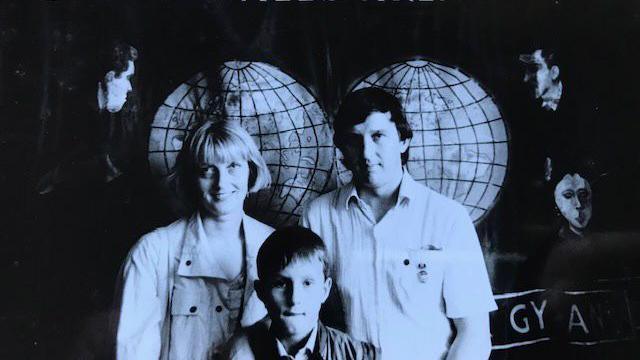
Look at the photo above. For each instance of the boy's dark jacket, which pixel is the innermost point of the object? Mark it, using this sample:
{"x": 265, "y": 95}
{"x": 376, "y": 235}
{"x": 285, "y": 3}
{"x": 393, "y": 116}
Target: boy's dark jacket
{"x": 331, "y": 344}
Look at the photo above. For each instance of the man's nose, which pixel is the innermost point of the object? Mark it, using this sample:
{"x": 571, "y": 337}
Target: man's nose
{"x": 368, "y": 149}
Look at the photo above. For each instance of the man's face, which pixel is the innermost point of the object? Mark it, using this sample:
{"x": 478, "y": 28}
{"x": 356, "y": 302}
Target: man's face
{"x": 224, "y": 186}
{"x": 294, "y": 295}
{"x": 117, "y": 87}
{"x": 573, "y": 198}
{"x": 373, "y": 152}
{"x": 539, "y": 74}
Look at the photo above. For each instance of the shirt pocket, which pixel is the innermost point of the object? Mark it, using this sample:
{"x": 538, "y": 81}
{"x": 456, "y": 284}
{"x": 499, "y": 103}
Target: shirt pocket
{"x": 416, "y": 279}
{"x": 189, "y": 337}
{"x": 186, "y": 303}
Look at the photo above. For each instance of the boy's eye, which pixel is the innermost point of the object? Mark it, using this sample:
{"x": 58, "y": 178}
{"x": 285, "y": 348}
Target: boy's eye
{"x": 307, "y": 282}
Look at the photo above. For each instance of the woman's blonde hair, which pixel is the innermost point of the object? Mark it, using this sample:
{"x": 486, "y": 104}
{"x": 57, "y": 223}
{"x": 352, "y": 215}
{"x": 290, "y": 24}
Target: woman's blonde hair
{"x": 219, "y": 140}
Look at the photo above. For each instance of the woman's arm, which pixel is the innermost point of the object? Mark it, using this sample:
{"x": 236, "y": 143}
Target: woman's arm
{"x": 143, "y": 306}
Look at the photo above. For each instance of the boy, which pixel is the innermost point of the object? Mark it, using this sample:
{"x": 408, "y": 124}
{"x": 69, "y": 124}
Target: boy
{"x": 293, "y": 283}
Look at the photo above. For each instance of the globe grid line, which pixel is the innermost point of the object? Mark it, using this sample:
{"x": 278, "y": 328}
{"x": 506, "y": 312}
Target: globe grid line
{"x": 298, "y": 166}
{"x": 458, "y": 137}
{"x": 317, "y": 153}
{"x": 261, "y": 145}
{"x": 188, "y": 124}
{"x": 279, "y": 142}
{"x": 391, "y": 70}
{"x": 424, "y": 149}
{"x": 488, "y": 184}
{"x": 484, "y": 191}
{"x": 438, "y": 131}
{"x": 299, "y": 159}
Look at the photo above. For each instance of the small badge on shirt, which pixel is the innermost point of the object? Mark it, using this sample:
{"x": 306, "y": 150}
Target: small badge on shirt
{"x": 422, "y": 272}
{"x": 419, "y": 258}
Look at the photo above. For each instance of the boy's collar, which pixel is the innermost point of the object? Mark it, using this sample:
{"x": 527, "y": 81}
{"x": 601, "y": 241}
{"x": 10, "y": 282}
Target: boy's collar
{"x": 307, "y": 349}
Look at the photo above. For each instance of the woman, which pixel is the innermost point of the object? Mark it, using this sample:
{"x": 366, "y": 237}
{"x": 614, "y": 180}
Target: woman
{"x": 187, "y": 286}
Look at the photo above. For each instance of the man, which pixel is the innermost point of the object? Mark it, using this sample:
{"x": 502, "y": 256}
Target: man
{"x": 107, "y": 139}
{"x": 113, "y": 90}
{"x": 293, "y": 283}
{"x": 406, "y": 260}
{"x": 544, "y": 74}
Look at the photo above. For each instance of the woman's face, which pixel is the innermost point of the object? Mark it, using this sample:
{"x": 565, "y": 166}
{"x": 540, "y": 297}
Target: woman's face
{"x": 224, "y": 186}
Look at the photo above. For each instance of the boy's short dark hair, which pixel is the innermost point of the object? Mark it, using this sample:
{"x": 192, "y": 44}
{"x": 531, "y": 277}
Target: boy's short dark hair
{"x": 361, "y": 103}
{"x": 287, "y": 245}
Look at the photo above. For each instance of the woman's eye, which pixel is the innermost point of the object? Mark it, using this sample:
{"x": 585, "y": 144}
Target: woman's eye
{"x": 206, "y": 172}
{"x": 567, "y": 194}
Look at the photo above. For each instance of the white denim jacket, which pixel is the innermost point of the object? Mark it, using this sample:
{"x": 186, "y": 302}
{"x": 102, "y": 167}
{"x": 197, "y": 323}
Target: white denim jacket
{"x": 171, "y": 307}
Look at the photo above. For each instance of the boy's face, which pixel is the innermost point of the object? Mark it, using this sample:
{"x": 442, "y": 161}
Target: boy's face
{"x": 293, "y": 297}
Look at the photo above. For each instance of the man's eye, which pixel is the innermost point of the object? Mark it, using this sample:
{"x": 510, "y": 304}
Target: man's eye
{"x": 278, "y": 284}
{"x": 377, "y": 136}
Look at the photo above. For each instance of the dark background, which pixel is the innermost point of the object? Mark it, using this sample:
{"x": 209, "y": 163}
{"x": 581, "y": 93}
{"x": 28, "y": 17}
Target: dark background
{"x": 62, "y": 250}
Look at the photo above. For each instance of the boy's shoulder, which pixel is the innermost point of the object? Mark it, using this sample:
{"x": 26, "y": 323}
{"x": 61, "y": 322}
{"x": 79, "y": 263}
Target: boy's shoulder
{"x": 240, "y": 345}
{"x": 254, "y": 342}
{"x": 343, "y": 346}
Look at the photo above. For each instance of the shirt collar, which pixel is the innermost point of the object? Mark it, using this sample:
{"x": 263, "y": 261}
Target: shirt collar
{"x": 307, "y": 349}
{"x": 197, "y": 256}
{"x": 407, "y": 191}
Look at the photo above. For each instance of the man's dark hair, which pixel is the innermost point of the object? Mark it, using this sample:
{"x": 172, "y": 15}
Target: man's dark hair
{"x": 361, "y": 103}
{"x": 287, "y": 245}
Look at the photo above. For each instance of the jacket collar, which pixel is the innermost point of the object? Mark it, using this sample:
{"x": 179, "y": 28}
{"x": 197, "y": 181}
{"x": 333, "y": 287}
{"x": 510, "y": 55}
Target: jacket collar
{"x": 197, "y": 254}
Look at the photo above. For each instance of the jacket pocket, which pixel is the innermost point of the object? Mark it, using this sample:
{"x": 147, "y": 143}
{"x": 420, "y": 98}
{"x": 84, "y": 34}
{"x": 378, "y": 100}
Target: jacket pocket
{"x": 186, "y": 303}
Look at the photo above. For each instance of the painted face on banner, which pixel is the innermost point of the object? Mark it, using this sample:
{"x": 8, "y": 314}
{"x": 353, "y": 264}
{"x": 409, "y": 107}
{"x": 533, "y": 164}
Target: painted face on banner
{"x": 224, "y": 185}
{"x": 373, "y": 152}
{"x": 294, "y": 295}
{"x": 573, "y": 198}
{"x": 113, "y": 95}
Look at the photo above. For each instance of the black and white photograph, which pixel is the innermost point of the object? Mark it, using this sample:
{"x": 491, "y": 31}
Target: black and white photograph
{"x": 320, "y": 179}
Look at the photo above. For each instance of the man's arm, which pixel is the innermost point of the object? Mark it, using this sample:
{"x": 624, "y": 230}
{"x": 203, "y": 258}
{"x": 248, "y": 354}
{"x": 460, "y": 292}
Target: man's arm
{"x": 473, "y": 339}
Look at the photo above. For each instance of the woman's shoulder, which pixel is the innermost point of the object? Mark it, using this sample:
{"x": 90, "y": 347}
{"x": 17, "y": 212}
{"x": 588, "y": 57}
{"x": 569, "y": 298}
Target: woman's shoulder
{"x": 162, "y": 237}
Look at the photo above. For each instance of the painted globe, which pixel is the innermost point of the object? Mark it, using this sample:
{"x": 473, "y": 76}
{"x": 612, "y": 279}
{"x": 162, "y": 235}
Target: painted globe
{"x": 282, "y": 116}
{"x": 460, "y": 140}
